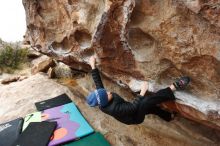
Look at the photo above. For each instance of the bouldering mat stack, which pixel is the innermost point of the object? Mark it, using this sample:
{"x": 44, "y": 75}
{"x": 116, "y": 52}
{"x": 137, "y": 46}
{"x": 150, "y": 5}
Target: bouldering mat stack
{"x": 57, "y": 122}
{"x": 10, "y": 131}
{"x": 71, "y": 125}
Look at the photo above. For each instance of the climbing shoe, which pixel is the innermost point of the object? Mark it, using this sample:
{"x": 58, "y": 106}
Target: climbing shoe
{"x": 181, "y": 83}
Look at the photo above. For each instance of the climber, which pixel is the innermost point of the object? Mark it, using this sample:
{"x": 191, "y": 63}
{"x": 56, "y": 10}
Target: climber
{"x": 132, "y": 112}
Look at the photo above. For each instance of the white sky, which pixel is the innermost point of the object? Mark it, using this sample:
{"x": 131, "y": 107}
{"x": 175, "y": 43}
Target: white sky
{"x": 12, "y": 20}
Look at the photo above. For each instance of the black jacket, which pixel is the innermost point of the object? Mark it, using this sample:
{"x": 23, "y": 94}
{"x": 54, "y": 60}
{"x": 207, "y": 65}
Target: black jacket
{"x": 120, "y": 109}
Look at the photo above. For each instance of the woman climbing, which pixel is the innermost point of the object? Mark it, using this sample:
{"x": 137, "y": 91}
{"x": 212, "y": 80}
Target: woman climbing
{"x": 132, "y": 112}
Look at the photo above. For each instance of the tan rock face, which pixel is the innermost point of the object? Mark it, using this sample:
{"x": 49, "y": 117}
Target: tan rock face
{"x": 208, "y": 9}
{"x": 138, "y": 40}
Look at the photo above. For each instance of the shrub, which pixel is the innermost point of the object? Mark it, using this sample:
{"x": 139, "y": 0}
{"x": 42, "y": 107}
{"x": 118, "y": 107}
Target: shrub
{"x": 12, "y": 58}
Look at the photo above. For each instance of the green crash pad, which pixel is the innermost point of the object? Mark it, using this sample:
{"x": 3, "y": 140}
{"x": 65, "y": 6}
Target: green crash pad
{"x": 34, "y": 117}
{"x": 96, "y": 139}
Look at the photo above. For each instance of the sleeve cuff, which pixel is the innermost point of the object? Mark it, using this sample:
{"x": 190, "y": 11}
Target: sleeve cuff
{"x": 95, "y": 70}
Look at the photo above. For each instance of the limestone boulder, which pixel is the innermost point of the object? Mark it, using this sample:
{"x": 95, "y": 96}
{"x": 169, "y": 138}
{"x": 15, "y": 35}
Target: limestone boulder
{"x": 136, "y": 40}
{"x": 63, "y": 71}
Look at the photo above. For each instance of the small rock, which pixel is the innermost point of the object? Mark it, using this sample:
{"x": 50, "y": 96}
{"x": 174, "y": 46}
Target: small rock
{"x": 10, "y": 80}
{"x": 42, "y": 64}
{"x": 32, "y": 54}
{"x": 51, "y": 73}
{"x": 63, "y": 71}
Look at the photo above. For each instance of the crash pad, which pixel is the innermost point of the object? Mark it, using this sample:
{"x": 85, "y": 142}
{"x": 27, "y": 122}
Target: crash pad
{"x": 71, "y": 124}
{"x": 53, "y": 102}
{"x": 33, "y": 117}
{"x": 36, "y": 134}
{"x": 10, "y": 131}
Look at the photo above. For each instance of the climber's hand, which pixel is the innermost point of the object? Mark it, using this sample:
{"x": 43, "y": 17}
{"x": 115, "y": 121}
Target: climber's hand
{"x": 92, "y": 62}
{"x": 144, "y": 88}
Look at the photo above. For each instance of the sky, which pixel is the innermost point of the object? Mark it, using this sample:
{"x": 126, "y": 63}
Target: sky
{"x": 12, "y": 20}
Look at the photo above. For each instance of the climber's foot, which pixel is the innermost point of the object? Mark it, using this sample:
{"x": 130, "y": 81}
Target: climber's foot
{"x": 180, "y": 83}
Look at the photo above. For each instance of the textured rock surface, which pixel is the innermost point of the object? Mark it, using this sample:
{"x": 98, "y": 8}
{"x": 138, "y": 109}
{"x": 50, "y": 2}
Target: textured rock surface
{"x": 153, "y": 132}
{"x": 63, "y": 71}
{"x": 138, "y": 40}
{"x": 42, "y": 64}
{"x": 208, "y": 9}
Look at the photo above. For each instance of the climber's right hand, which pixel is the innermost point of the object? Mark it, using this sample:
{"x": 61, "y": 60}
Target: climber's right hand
{"x": 92, "y": 62}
